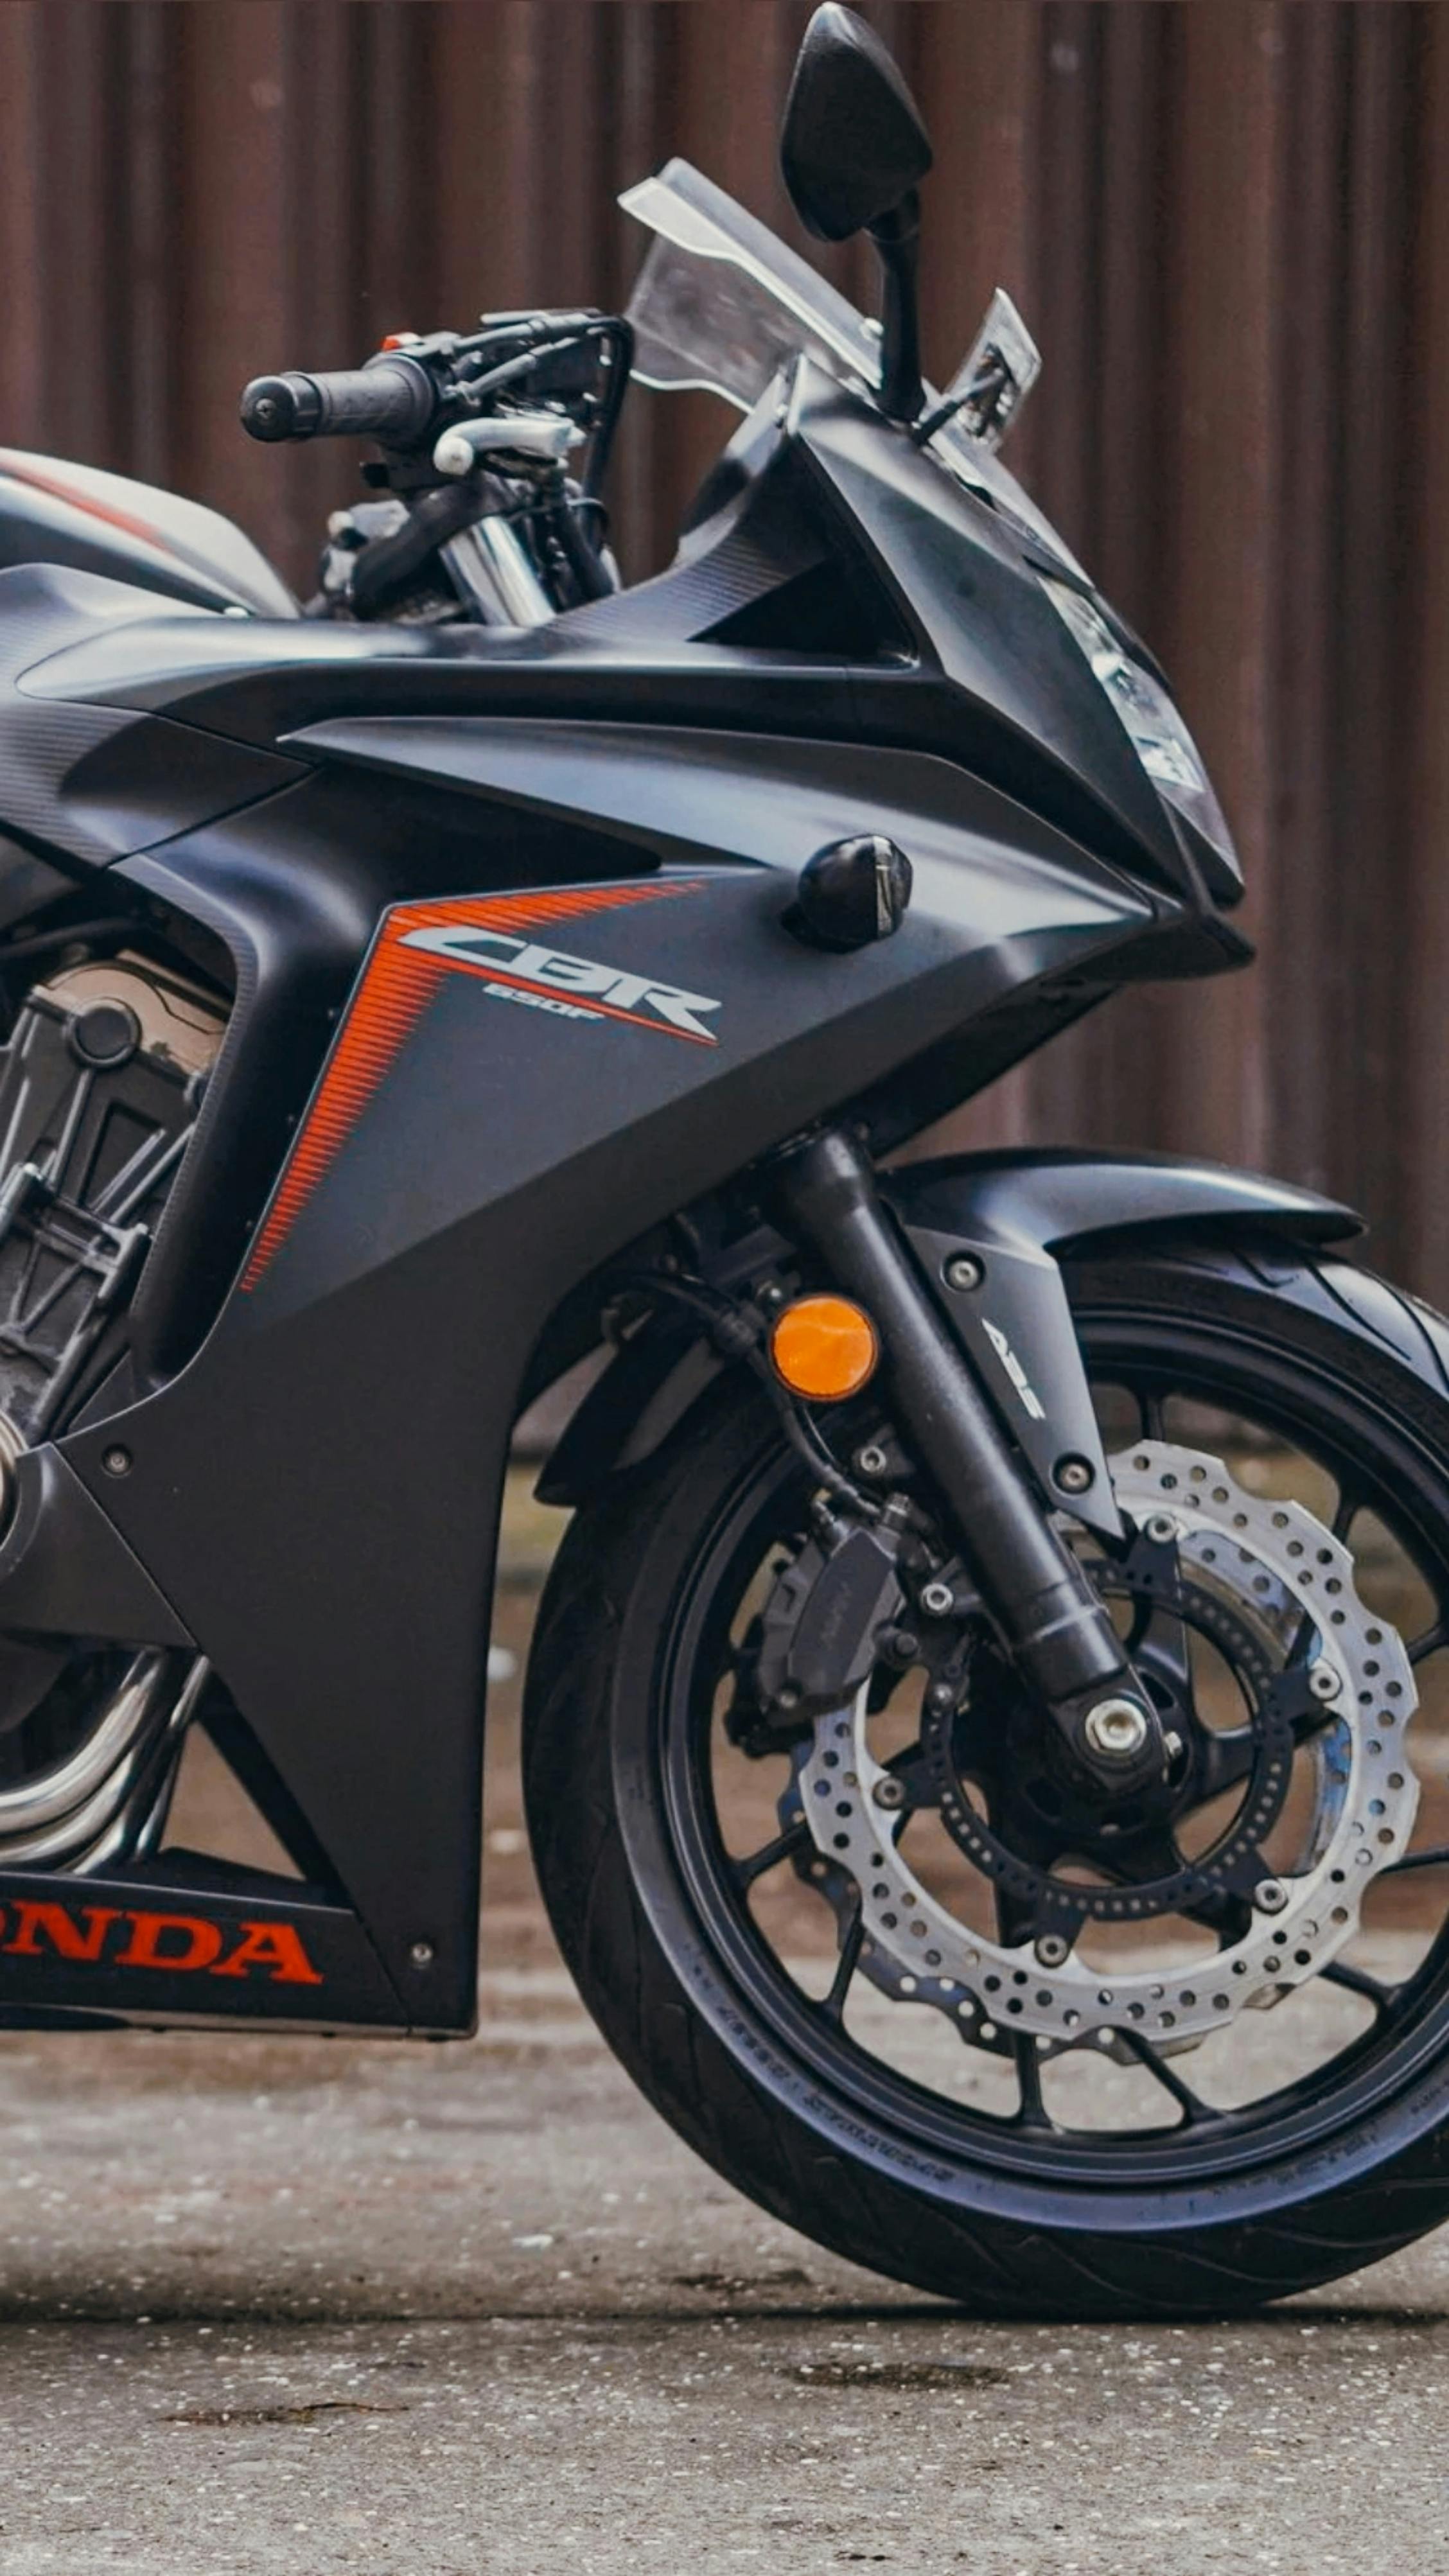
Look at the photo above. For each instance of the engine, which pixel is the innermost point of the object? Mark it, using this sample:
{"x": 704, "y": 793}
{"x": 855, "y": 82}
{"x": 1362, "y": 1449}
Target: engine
{"x": 101, "y": 1085}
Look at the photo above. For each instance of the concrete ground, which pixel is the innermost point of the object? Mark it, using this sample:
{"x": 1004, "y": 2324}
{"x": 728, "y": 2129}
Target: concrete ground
{"x": 272, "y": 2305}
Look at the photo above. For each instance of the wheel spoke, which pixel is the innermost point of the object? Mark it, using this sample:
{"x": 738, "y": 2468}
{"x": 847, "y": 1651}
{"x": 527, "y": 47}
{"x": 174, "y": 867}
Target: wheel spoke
{"x": 1015, "y": 1917}
{"x": 1428, "y": 1643}
{"x": 1157, "y": 1856}
{"x": 1159, "y": 1641}
{"x": 833, "y": 2004}
{"x": 1190, "y": 2104}
{"x": 1227, "y": 1756}
{"x": 1231, "y": 1918}
{"x": 1150, "y": 1409}
{"x": 1143, "y": 1612}
{"x": 1433, "y": 1858}
{"x": 1033, "y": 2113}
{"x": 1346, "y": 1511}
{"x": 1357, "y": 1982}
{"x": 769, "y": 1856}
{"x": 1152, "y": 1856}
{"x": 1301, "y": 1650}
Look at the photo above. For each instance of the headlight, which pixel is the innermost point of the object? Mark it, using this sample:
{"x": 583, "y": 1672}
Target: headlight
{"x": 1153, "y": 726}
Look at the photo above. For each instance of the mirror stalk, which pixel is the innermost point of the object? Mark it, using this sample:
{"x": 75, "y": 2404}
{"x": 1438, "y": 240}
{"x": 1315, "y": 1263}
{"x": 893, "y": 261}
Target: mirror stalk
{"x": 897, "y": 239}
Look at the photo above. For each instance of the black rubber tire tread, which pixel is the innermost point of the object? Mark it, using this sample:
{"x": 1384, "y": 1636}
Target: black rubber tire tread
{"x": 595, "y": 1642}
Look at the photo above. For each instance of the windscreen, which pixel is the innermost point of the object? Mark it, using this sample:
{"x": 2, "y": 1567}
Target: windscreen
{"x": 720, "y": 303}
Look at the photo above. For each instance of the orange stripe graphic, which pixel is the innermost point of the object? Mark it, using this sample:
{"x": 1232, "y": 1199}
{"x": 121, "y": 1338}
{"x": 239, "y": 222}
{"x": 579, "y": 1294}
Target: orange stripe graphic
{"x": 397, "y": 986}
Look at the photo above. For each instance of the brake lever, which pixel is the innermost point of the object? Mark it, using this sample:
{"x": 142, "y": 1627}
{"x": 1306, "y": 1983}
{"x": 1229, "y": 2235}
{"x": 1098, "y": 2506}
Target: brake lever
{"x": 547, "y": 436}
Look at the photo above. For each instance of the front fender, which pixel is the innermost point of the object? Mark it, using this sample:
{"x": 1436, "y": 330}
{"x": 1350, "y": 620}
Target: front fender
{"x": 1013, "y": 1213}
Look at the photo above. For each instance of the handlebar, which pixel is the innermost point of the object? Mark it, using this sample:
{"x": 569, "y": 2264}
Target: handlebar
{"x": 392, "y": 399}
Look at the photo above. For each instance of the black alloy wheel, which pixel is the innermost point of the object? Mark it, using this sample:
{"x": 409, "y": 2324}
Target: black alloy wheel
{"x": 1192, "y": 2159}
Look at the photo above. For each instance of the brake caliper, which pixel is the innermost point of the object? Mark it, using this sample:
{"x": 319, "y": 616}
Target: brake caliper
{"x": 830, "y": 1620}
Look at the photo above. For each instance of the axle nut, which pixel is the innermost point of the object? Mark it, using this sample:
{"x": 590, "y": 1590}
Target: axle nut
{"x": 1116, "y": 1729}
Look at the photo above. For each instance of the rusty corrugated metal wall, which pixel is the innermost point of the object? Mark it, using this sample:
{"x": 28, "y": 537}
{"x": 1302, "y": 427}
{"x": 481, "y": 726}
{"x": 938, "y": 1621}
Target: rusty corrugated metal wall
{"x": 1228, "y": 222}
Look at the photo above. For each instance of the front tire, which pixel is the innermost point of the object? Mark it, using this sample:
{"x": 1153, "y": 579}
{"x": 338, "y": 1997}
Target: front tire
{"x": 764, "y": 2082}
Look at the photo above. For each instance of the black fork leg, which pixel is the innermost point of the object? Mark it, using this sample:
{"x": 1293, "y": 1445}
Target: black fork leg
{"x": 1058, "y": 1632}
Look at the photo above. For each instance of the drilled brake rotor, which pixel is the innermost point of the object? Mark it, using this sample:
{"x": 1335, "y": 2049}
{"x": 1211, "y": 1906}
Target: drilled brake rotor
{"x": 1274, "y": 1591}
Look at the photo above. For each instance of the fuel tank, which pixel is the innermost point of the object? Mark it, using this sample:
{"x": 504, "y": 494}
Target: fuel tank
{"x": 52, "y": 511}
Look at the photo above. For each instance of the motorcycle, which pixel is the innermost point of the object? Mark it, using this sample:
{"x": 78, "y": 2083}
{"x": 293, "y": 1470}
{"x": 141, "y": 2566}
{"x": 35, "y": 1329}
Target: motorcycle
{"x": 967, "y": 1745}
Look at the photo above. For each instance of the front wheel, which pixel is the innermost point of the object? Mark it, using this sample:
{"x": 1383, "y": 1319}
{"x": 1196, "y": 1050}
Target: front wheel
{"x": 894, "y": 1983}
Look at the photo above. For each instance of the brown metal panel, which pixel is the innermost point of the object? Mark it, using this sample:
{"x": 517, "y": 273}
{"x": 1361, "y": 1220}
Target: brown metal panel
{"x": 1415, "y": 929}
{"x": 1226, "y": 98}
{"x": 323, "y": 320}
{"x": 1064, "y": 1092}
{"x": 639, "y": 92}
{"x": 395, "y": 210}
{"x": 1369, "y": 1057}
{"x": 1106, "y": 71}
{"x": 22, "y": 342}
{"x": 147, "y": 228}
{"x": 976, "y": 68}
{"x": 1303, "y": 961}
{"x": 82, "y": 202}
{"x": 1068, "y": 288}
{"x": 232, "y": 305}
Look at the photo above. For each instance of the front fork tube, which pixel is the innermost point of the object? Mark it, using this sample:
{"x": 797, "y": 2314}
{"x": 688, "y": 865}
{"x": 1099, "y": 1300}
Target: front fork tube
{"x": 1058, "y": 1632}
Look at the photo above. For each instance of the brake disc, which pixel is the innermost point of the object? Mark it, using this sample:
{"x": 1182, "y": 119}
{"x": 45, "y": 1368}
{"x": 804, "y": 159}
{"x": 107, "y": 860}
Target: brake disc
{"x": 1285, "y": 1579}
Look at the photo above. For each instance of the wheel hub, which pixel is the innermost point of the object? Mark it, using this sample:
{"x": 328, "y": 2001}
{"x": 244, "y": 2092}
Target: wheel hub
{"x": 1274, "y": 1591}
{"x": 1041, "y": 1798}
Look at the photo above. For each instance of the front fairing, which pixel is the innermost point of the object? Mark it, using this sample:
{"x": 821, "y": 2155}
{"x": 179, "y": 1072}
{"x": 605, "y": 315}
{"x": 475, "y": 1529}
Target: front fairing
{"x": 962, "y": 547}
{"x": 965, "y": 583}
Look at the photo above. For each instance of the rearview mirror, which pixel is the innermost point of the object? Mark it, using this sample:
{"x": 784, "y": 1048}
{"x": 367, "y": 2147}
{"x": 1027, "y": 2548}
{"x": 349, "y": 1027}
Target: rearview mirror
{"x": 852, "y": 148}
{"x": 852, "y": 145}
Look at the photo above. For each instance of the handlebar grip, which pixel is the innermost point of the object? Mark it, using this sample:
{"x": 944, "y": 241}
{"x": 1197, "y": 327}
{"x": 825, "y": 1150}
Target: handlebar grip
{"x": 392, "y": 399}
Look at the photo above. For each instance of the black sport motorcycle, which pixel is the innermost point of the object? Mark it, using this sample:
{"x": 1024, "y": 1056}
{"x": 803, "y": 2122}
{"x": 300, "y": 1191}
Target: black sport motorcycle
{"x": 969, "y": 1751}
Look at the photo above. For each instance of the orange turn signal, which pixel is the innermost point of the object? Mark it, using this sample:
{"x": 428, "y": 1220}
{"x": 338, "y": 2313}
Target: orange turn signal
{"x": 825, "y": 1348}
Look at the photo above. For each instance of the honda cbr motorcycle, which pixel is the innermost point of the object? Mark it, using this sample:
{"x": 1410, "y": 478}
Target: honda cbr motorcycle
{"x": 969, "y": 1747}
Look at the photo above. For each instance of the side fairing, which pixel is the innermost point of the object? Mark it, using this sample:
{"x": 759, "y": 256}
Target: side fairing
{"x": 90, "y": 782}
{"x": 521, "y": 1085}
